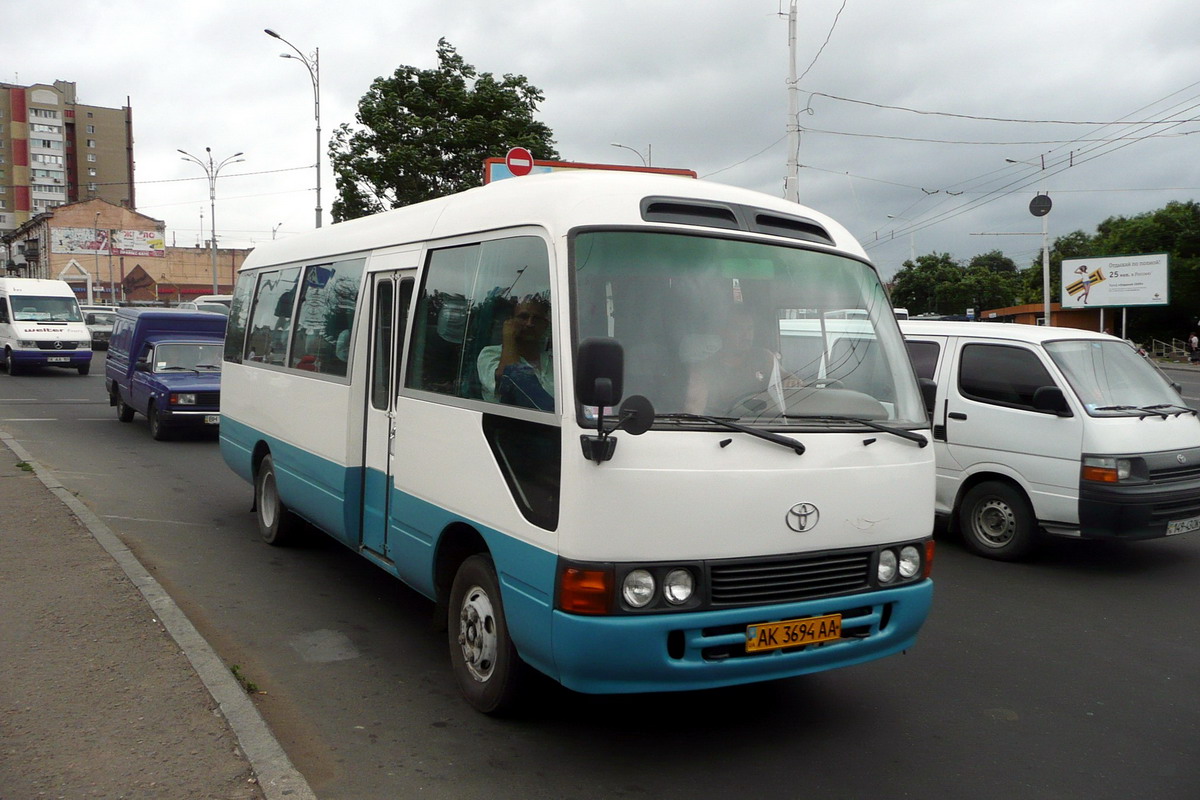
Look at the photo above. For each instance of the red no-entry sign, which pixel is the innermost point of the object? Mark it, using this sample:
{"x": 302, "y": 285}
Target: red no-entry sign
{"x": 519, "y": 161}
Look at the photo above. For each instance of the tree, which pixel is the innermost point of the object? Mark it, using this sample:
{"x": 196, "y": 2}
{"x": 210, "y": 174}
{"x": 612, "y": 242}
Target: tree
{"x": 425, "y": 133}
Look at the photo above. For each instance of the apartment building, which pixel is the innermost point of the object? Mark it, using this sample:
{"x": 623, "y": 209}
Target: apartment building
{"x": 55, "y": 150}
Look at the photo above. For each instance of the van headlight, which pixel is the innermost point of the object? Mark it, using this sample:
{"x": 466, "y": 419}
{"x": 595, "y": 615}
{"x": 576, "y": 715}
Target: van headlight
{"x": 638, "y": 588}
{"x": 887, "y": 566}
{"x": 1108, "y": 469}
{"x": 906, "y": 563}
{"x": 678, "y": 586}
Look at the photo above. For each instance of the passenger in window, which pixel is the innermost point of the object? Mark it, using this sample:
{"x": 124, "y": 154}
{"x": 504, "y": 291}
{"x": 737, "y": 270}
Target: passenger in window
{"x": 520, "y": 370}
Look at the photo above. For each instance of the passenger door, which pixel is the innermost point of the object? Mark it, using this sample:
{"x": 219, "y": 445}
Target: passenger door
{"x": 991, "y": 424}
{"x": 391, "y": 293}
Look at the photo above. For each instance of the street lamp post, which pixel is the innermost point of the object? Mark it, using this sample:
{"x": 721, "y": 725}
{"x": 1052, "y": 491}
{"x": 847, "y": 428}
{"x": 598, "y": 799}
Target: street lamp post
{"x": 313, "y": 65}
{"x": 1041, "y": 208}
{"x": 96, "y": 241}
{"x": 212, "y": 170}
{"x": 647, "y": 160}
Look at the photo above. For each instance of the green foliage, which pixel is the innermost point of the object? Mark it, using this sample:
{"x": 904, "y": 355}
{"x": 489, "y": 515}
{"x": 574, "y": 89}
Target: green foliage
{"x": 424, "y": 133}
{"x": 937, "y": 284}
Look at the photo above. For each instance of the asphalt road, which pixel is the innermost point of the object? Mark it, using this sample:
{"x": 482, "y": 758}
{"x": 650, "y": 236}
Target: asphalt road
{"x": 1076, "y": 675}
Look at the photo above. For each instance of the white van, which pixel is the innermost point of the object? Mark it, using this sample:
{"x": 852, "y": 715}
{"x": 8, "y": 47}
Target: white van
{"x": 41, "y": 325}
{"x": 1056, "y": 431}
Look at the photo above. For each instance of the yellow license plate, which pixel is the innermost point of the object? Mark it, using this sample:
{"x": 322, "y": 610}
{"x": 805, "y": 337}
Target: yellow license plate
{"x": 793, "y": 633}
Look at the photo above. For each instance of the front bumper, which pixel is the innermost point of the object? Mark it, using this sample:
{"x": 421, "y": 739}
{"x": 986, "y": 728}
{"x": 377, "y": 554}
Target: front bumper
{"x": 1138, "y": 511}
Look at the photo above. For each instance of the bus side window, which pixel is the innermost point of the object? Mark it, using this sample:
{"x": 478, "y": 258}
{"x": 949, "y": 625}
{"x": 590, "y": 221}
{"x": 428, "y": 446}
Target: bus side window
{"x": 324, "y": 326}
{"x": 271, "y": 317}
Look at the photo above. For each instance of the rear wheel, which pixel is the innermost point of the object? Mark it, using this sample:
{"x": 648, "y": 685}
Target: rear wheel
{"x": 489, "y": 671}
{"x": 997, "y": 521}
{"x": 276, "y": 524}
{"x": 124, "y": 412}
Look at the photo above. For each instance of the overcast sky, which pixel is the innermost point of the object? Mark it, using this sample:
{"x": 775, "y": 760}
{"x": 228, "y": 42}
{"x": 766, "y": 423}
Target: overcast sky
{"x": 903, "y": 103}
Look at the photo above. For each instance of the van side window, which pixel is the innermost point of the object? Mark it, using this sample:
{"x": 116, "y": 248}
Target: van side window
{"x": 325, "y": 317}
{"x": 471, "y": 294}
{"x": 924, "y": 357}
{"x": 239, "y": 312}
{"x": 271, "y": 317}
{"x": 3, "y": 309}
{"x": 1001, "y": 374}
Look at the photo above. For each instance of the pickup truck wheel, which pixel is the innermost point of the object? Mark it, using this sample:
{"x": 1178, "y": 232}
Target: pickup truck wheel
{"x": 997, "y": 522}
{"x": 124, "y": 412}
{"x": 276, "y": 524}
{"x": 157, "y": 429}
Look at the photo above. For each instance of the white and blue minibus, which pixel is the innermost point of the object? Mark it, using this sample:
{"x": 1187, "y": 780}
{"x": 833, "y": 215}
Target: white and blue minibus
{"x": 562, "y": 407}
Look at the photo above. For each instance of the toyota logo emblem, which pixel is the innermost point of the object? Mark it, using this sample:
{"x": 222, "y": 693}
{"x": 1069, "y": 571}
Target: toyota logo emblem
{"x": 803, "y": 517}
{"x": 58, "y": 345}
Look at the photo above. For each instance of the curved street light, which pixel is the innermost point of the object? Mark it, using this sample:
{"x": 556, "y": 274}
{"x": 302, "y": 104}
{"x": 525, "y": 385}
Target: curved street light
{"x": 313, "y": 65}
{"x": 646, "y": 159}
{"x": 212, "y": 171}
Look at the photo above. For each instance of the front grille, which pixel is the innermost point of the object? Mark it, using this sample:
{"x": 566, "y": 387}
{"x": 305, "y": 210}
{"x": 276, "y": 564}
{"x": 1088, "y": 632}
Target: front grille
{"x": 208, "y": 398}
{"x": 1175, "y": 473}
{"x": 62, "y": 345}
{"x": 788, "y": 579}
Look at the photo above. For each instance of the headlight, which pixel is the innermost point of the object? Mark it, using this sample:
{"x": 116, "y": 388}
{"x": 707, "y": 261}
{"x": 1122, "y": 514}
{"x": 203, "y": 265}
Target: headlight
{"x": 910, "y": 561}
{"x": 678, "y": 586}
{"x": 23, "y": 343}
{"x": 185, "y": 399}
{"x": 1106, "y": 470}
{"x": 638, "y": 588}
{"x": 887, "y": 566}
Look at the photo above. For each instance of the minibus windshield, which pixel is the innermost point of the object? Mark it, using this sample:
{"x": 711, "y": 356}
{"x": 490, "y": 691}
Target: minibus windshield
{"x": 44, "y": 309}
{"x": 1111, "y": 379}
{"x": 746, "y": 331}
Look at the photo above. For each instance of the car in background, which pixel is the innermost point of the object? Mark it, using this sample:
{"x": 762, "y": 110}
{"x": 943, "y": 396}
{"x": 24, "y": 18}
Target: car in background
{"x": 99, "y": 321}
{"x": 212, "y": 307}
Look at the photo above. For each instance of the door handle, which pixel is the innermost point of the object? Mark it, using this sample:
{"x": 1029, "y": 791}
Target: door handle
{"x": 957, "y": 415}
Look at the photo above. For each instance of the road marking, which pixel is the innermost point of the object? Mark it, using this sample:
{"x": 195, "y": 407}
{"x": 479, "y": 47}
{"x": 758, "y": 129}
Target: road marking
{"x": 30, "y": 419}
{"x": 160, "y": 521}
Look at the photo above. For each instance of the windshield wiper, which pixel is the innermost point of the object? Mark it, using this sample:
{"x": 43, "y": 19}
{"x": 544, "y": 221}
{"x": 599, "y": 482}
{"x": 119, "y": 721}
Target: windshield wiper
{"x": 1143, "y": 411}
{"x": 791, "y": 444}
{"x": 174, "y": 368}
{"x": 903, "y": 434}
{"x": 1163, "y": 406}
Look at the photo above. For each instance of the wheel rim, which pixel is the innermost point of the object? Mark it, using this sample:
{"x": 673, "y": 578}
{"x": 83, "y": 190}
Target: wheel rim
{"x": 994, "y": 523}
{"x": 477, "y": 634}
{"x": 268, "y": 499}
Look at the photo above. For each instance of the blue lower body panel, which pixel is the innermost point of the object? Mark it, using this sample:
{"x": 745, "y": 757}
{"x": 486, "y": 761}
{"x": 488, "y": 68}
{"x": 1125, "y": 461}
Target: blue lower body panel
{"x": 704, "y": 650}
{"x": 41, "y": 358}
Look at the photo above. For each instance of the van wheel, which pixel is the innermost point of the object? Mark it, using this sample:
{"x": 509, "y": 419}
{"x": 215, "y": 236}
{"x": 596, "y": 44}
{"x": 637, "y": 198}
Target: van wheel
{"x": 276, "y": 523}
{"x": 484, "y": 660}
{"x": 997, "y": 522}
{"x": 124, "y": 412}
{"x": 10, "y": 363}
{"x": 84, "y": 369}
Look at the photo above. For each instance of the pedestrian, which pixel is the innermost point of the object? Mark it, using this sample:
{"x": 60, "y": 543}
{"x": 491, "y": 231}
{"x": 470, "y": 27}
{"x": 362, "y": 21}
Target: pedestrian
{"x": 1193, "y": 346}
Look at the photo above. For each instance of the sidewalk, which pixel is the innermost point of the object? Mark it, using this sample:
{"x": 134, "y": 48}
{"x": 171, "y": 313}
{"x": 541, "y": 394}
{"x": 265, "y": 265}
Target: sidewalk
{"x": 106, "y": 689}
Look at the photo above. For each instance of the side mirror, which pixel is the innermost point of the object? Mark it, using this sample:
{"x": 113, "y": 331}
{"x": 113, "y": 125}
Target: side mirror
{"x": 1051, "y": 400}
{"x": 599, "y": 372}
{"x": 142, "y": 366}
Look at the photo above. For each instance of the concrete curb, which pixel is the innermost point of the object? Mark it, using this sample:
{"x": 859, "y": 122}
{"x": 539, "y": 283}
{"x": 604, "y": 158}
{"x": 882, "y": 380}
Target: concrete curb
{"x": 276, "y": 775}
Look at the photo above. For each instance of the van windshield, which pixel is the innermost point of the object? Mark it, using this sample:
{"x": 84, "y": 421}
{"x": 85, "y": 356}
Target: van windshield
{"x": 763, "y": 334}
{"x": 44, "y": 309}
{"x": 1110, "y": 378}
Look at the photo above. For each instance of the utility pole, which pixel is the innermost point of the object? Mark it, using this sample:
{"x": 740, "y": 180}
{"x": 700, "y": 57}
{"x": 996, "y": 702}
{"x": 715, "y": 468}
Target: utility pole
{"x": 791, "y": 185}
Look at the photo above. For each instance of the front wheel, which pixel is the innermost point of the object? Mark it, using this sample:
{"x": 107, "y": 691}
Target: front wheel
{"x": 489, "y": 671}
{"x": 997, "y": 522}
{"x": 10, "y": 363}
{"x": 158, "y": 431}
{"x": 276, "y": 524}
{"x": 84, "y": 369}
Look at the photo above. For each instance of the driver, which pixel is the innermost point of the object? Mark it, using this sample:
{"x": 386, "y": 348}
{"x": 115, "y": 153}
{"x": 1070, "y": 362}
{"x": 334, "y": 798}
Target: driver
{"x": 736, "y": 371}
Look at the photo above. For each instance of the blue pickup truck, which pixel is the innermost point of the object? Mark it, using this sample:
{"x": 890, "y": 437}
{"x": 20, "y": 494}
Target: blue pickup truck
{"x": 166, "y": 364}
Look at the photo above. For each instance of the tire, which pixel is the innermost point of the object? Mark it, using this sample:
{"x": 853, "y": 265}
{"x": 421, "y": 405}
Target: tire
{"x": 10, "y": 363}
{"x": 158, "y": 431}
{"x": 124, "y": 412}
{"x": 485, "y": 662}
{"x": 276, "y": 523}
{"x": 997, "y": 522}
{"x": 84, "y": 369}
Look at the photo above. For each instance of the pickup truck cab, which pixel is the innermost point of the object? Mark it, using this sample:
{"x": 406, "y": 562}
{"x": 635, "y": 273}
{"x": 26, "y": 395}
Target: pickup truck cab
{"x": 1054, "y": 431}
{"x": 166, "y": 365}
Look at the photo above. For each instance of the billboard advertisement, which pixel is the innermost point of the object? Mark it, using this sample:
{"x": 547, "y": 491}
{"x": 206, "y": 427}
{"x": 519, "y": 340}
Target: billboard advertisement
{"x": 1119, "y": 281}
{"x": 89, "y": 241}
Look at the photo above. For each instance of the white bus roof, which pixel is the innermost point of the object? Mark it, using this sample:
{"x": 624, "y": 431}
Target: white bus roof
{"x": 1034, "y": 334}
{"x": 558, "y": 201}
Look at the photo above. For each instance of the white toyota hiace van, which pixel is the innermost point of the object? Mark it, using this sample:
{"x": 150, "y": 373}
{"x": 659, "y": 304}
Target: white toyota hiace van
{"x": 41, "y": 325}
{"x": 1055, "y": 431}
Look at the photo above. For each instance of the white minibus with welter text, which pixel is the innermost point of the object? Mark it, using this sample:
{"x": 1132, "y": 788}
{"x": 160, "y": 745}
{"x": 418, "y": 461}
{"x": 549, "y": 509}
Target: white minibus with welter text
{"x": 559, "y": 406}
